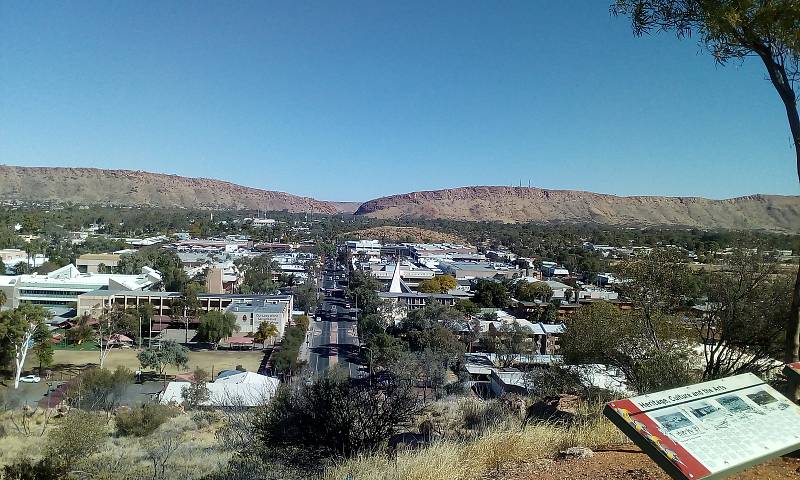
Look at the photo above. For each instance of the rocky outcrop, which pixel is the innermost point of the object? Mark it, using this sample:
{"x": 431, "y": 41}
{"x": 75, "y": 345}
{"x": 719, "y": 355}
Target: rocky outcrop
{"x": 522, "y": 204}
{"x": 93, "y": 186}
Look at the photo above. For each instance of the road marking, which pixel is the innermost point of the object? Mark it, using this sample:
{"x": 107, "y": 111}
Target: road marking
{"x": 333, "y": 359}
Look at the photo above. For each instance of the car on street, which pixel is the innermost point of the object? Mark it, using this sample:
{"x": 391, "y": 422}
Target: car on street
{"x": 30, "y": 379}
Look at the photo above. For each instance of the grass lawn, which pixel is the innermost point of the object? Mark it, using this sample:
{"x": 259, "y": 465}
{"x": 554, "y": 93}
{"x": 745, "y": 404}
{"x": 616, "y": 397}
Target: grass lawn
{"x": 207, "y": 360}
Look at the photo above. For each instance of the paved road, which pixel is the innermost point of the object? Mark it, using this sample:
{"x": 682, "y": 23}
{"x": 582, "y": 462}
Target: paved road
{"x": 333, "y": 340}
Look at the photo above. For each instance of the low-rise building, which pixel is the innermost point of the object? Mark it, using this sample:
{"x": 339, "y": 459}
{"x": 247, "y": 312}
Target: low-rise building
{"x": 97, "y": 262}
{"x": 463, "y": 270}
{"x": 62, "y": 287}
{"x": 250, "y": 315}
{"x": 161, "y": 302}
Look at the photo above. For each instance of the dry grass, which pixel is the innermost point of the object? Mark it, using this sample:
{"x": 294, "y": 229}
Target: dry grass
{"x": 496, "y": 447}
{"x": 207, "y": 360}
{"x": 197, "y": 455}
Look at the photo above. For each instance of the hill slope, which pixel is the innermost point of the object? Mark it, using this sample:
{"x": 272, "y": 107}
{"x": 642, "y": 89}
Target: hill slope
{"x": 522, "y": 204}
{"x": 91, "y": 186}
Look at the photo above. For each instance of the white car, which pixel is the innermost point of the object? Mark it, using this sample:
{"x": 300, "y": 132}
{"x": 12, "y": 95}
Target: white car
{"x": 30, "y": 379}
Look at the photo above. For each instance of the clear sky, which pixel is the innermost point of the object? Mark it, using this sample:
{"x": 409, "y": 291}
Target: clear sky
{"x": 345, "y": 100}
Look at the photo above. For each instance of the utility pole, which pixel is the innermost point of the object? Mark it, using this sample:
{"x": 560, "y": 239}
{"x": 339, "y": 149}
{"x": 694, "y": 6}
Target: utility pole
{"x": 186, "y": 321}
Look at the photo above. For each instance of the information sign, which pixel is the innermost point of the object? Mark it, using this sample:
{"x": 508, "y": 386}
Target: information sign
{"x": 710, "y": 430}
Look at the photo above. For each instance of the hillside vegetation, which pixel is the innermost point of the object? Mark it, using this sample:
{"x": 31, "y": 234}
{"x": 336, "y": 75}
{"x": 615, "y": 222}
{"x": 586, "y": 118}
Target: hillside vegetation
{"x": 92, "y": 186}
{"x": 405, "y": 234}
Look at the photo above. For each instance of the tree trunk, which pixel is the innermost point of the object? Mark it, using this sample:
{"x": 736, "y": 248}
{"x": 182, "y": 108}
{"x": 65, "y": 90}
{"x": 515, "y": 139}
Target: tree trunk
{"x": 777, "y": 74}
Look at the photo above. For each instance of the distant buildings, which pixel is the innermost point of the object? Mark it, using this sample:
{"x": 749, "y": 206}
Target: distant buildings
{"x": 15, "y": 256}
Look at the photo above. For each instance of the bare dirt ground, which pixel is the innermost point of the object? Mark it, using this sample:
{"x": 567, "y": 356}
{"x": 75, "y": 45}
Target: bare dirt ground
{"x": 207, "y": 360}
{"x": 631, "y": 464}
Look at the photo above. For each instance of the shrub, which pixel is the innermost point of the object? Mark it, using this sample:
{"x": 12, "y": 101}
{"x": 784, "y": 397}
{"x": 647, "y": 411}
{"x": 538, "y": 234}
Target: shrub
{"x": 27, "y": 469}
{"x": 144, "y": 420}
{"x": 479, "y": 415}
{"x": 79, "y": 436}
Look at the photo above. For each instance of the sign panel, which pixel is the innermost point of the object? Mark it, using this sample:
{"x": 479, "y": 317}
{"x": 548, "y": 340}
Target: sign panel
{"x": 710, "y": 430}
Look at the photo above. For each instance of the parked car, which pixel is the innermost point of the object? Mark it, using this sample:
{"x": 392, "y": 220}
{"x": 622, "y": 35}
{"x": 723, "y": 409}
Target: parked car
{"x": 30, "y": 379}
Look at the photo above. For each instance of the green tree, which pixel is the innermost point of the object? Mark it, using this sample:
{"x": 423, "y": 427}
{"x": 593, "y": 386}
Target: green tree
{"x": 363, "y": 291}
{"x": 602, "y": 333}
{"x": 18, "y": 328}
{"x": 307, "y": 296}
{"x": 257, "y": 274}
{"x": 332, "y": 418}
{"x": 491, "y": 294}
{"x": 196, "y": 393}
{"x": 735, "y": 30}
{"x": 79, "y": 435}
{"x": 530, "y": 291}
{"x": 657, "y": 283}
{"x": 100, "y": 389}
{"x": 43, "y": 348}
{"x": 467, "y": 307}
{"x": 266, "y": 330}
{"x": 170, "y": 353}
{"x": 301, "y": 321}
{"x": 111, "y": 325}
{"x": 216, "y": 325}
{"x": 741, "y": 328}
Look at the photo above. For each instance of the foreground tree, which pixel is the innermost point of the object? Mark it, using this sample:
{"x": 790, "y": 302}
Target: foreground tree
{"x": 196, "y": 393}
{"x": 734, "y": 30}
{"x": 79, "y": 436}
{"x": 651, "y": 355}
{"x": 100, "y": 389}
{"x": 743, "y": 322}
{"x": 332, "y": 418}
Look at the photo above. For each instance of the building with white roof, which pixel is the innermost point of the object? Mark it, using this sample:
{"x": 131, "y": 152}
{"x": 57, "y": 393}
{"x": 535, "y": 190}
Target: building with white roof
{"x": 246, "y": 389}
{"x": 63, "y": 286}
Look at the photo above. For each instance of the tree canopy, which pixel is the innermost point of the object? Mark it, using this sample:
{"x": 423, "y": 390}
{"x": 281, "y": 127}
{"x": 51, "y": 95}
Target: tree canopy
{"x": 216, "y": 325}
{"x": 437, "y": 284}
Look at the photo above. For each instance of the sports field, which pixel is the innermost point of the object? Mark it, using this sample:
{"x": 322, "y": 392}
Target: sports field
{"x": 207, "y": 360}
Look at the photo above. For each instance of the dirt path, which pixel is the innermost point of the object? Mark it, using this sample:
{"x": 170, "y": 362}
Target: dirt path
{"x": 632, "y": 464}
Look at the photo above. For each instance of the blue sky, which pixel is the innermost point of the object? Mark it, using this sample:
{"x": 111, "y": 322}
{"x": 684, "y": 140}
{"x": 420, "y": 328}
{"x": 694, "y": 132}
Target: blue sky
{"x": 353, "y": 100}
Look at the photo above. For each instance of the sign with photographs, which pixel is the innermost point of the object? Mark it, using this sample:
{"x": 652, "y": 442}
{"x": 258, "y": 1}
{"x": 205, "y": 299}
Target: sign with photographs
{"x": 712, "y": 429}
